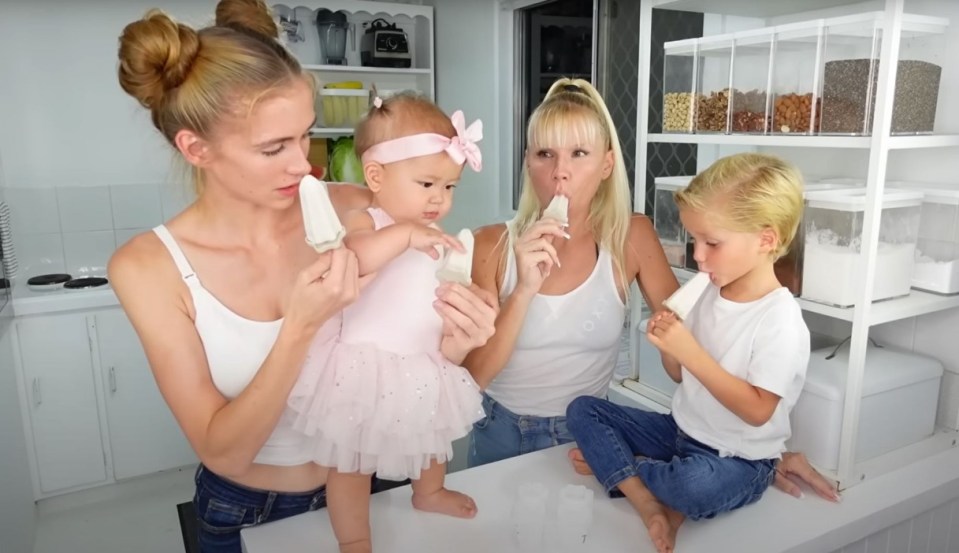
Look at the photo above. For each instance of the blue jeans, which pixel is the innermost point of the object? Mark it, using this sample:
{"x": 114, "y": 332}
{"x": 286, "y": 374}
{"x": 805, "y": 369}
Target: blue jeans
{"x": 504, "y": 434}
{"x": 684, "y": 474}
{"x": 223, "y": 508}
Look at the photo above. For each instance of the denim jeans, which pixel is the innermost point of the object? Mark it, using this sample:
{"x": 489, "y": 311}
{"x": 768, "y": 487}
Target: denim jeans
{"x": 503, "y": 434}
{"x": 682, "y": 473}
{"x": 224, "y": 508}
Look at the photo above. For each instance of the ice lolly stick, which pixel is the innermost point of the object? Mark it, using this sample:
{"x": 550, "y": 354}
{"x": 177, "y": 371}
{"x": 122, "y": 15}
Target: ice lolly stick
{"x": 324, "y": 231}
{"x": 458, "y": 266}
{"x": 683, "y": 300}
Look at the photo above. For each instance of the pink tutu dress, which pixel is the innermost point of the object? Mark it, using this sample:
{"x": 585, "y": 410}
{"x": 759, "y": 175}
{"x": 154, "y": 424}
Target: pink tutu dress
{"x": 382, "y": 398}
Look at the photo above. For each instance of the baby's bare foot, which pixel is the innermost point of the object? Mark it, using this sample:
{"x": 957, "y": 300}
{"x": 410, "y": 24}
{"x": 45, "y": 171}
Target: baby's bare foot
{"x": 445, "y": 502}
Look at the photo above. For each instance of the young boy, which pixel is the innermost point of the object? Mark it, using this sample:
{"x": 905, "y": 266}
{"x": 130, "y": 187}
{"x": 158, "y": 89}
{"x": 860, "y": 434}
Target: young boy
{"x": 740, "y": 358}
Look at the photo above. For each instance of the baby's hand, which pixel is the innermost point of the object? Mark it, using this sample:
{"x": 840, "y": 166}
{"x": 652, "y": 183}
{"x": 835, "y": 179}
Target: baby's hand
{"x": 426, "y": 239}
{"x": 670, "y": 335}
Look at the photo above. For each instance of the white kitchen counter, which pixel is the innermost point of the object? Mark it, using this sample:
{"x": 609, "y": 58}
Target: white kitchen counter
{"x": 777, "y": 523}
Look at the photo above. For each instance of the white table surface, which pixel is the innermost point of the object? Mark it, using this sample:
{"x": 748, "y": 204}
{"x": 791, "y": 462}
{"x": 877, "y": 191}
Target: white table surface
{"x": 776, "y": 523}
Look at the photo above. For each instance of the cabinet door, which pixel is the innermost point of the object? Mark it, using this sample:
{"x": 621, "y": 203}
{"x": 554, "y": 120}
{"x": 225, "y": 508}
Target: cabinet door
{"x": 144, "y": 436}
{"x": 62, "y": 401}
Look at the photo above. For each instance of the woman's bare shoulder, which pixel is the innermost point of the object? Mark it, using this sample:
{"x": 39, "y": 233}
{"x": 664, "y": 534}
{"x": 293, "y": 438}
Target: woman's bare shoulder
{"x": 487, "y": 238}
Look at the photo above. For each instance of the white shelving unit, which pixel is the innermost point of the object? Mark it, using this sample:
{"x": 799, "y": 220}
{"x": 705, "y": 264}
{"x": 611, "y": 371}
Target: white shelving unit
{"x": 878, "y": 146}
{"x": 415, "y": 20}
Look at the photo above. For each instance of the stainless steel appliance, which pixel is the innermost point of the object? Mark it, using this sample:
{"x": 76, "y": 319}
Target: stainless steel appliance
{"x": 385, "y": 45}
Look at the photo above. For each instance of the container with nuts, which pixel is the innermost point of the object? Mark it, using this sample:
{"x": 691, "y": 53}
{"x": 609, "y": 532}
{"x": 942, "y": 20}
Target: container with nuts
{"x": 794, "y": 109}
{"x": 715, "y": 60}
{"x": 678, "y": 87}
{"x": 750, "y": 79}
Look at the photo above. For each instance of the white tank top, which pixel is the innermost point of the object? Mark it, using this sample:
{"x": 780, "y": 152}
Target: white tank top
{"x": 567, "y": 346}
{"x": 235, "y": 349}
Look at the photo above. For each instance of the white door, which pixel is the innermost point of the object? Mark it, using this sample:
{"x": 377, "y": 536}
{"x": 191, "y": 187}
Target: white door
{"x": 62, "y": 401}
{"x": 144, "y": 436}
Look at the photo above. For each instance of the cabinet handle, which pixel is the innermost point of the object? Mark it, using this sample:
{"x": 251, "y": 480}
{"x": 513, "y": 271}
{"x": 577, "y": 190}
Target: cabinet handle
{"x": 37, "y": 398}
{"x": 113, "y": 380}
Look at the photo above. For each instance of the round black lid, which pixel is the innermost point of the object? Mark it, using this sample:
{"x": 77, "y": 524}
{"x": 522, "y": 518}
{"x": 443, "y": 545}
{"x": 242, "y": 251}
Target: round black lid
{"x": 85, "y": 282}
{"x": 48, "y": 280}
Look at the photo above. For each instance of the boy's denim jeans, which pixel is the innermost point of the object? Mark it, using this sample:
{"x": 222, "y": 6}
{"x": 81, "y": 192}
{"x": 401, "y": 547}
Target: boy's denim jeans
{"x": 504, "y": 434}
{"x": 682, "y": 473}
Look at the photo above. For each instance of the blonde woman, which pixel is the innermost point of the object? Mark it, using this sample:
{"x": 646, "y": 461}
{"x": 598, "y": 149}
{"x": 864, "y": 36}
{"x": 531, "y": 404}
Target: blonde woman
{"x": 563, "y": 287}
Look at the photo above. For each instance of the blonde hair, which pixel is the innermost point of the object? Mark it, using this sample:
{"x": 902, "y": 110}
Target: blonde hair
{"x": 574, "y": 112}
{"x": 192, "y": 79}
{"x": 754, "y": 192}
{"x": 402, "y": 114}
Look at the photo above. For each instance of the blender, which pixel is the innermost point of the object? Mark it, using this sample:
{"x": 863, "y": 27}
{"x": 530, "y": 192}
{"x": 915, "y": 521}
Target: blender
{"x": 333, "y": 29}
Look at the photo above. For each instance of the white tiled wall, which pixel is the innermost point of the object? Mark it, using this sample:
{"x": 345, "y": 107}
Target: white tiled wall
{"x": 75, "y": 229}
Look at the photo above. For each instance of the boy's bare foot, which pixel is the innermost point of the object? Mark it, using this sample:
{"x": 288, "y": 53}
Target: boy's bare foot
{"x": 661, "y": 523}
{"x": 579, "y": 462}
{"x": 362, "y": 546}
{"x": 445, "y": 502}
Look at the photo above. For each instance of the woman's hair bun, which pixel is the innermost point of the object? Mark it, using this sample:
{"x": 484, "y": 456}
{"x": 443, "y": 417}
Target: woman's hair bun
{"x": 248, "y": 15}
{"x": 156, "y": 54}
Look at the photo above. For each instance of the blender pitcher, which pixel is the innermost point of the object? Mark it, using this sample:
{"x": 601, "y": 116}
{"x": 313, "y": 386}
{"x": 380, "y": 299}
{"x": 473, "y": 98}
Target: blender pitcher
{"x": 333, "y": 29}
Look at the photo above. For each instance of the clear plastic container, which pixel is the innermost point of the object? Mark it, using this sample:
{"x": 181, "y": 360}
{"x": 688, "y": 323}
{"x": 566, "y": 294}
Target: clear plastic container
{"x": 752, "y": 59}
{"x": 666, "y": 221}
{"x": 679, "y": 85}
{"x": 833, "y": 221}
{"x": 796, "y": 106}
{"x": 937, "y": 250}
{"x": 789, "y": 267}
{"x": 850, "y": 74}
{"x": 713, "y": 75}
{"x": 529, "y": 515}
{"x": 342, "y": 108}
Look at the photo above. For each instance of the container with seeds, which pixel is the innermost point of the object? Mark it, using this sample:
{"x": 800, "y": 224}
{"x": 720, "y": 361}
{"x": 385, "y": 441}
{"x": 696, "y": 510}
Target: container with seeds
{"x": 850, "y": 74}
{"x": 679, "y": 75}
{"x": 714, "y": 73}
{"x": 752, "y": 55}
{"x": 795, "y": 104}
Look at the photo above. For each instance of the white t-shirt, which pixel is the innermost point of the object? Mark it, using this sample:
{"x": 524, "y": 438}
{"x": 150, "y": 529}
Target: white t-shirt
{"x": 764, "y": 342}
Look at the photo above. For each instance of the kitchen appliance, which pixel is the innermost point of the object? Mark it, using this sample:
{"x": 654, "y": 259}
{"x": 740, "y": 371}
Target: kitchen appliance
{"x": 385, "y": 45}
{"x": 333, "y": 30}
{"x": 64, "y": 281}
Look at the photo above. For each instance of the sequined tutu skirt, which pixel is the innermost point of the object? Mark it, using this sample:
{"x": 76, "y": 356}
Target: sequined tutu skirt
{"x": 367, "y": 410}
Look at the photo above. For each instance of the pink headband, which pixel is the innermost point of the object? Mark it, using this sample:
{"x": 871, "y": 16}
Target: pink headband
{"x": 462, "y": 147}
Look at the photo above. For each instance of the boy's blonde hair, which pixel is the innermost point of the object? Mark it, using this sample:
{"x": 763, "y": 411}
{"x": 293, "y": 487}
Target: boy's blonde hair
{"x": 755, "y": 192}
{"x": 574, "y": 112}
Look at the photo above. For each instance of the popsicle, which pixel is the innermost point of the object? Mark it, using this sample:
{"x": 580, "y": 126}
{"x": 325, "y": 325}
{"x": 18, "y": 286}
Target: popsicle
{"x": 458, "y": 266}
{"x": 324, "y": 231}
{"x": 558, "y": 209}
{"x": 683, "y": 300}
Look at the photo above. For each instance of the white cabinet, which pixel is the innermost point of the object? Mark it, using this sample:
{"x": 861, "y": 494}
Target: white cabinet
{"x": 92, "y": 410}
{"x": 61, "y": 401}
{"x": 144, "y": 436}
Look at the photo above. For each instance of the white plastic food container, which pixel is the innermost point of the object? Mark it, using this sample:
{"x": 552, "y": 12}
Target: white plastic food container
{"x": 900, "y": 393}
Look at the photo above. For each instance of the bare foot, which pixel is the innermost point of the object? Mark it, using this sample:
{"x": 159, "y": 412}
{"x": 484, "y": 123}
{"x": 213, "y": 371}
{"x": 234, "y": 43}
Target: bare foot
{"x": 362, "y": 546}
{"x": 661, "y": 523}
{"x": 579, "y": 462}
{"x": 446, "y": 502}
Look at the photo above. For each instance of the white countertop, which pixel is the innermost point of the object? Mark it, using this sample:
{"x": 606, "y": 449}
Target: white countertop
{"x": 777, "y": 523}
{"x": 31, "y": 302}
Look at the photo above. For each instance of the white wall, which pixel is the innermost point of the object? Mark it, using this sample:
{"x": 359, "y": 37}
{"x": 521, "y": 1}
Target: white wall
{"x": 467, "y": 74}
{"x": 17, "y": 507}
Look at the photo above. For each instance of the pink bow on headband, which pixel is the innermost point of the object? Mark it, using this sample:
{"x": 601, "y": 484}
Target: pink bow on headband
{"x": 461, "y": 148}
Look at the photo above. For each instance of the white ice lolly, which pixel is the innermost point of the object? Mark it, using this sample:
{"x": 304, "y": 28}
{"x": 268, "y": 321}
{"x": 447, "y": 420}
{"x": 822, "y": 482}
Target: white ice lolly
{"x": 558, "y": 209}
{"x": 458, "y": 266}
{"x": 683, "y": 300}
{"x": 324, "y": 231}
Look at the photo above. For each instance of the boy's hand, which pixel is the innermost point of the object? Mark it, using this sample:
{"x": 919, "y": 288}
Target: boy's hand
{"x": 670, "y": 336}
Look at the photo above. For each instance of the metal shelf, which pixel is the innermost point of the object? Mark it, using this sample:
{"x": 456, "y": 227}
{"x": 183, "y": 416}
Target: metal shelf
{"x": 916, "y": 303}
{"x": 804, "y": 141}
{"x": 365, "y": 69}
{"x": 330, "y": 131}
